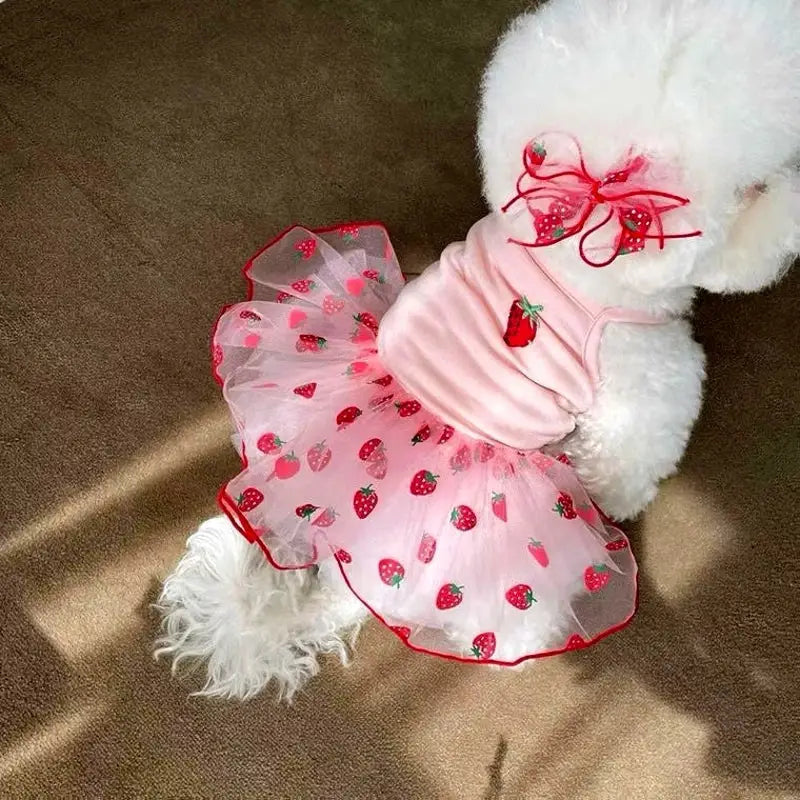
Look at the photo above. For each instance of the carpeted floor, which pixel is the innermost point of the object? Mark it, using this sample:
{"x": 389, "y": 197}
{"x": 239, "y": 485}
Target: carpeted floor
{"x": 146, "y": 149}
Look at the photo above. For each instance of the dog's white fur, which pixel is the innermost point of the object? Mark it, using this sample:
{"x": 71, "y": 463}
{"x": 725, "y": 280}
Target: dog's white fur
{"x": 711, "y": 88}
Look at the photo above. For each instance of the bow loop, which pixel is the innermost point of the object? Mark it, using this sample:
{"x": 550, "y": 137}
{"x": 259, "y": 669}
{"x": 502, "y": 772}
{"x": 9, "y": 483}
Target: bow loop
{"x": 561, "y": 195}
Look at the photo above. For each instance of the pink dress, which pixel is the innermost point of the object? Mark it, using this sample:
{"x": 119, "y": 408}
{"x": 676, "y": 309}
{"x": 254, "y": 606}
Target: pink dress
{"x": 400, "y": 430}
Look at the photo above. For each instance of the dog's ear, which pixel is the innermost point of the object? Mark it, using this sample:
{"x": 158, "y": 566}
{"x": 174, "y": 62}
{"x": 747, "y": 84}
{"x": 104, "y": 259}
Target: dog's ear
{"x": 762, "y": 241}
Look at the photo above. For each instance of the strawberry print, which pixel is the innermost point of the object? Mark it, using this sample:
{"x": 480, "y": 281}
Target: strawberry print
{"x": 463, "y": 518}
{"x": 536, "y": 549}
{"x": 371, "y": 450}
{"x": 502, "y": 469}
{"x": 421, "y": 435}
{"x": 287, "y": 467}
{"x": 384, "y": 381}
{"x": 521, "y": 596}
{"x": 499, "y": 508}
{"x": 342, "y": 556}
{"x": 549, "y": 228}
{"x": 354, "y": 286}
{"x": 565, "y": 507}
{"x": 447, "y": 434}
{"x": 305, "y": 249}
{"x": 332, "y": 305}
{"x": 587, "y": 512}
{"x": 270, "y": 443}
{"x": 356, "y": 368}
{"x": 297, "y": 317}
{"x": 462, "y": 460}
{"x": 309, "y": 342}
{"x": 249, "y": 499}
{"x": 216, "y": 355}
{"x": 376, "y": 402}
{"x": 325, "y": 519}
{"x": 362, "y": 335}
{"x": 304, "y": 286}
{"x": 364, "y": 501}
{"x": 596, "y": 577}
{"x": 306, "y": 510}
{"x": 536, "y": 154}
{"x": 423, "y": 483}
{"x": 249, "y": 316}
{"x": 391, "y": 572}
{"x": 618, "y": 544}
{"x": 346, "y": 416}
{"x": 449, "y": 596}
{"x": 377, "y": 469}
{"x": 563, "y": 209}
{"x": 521, "y": 326}
{"x": 427, "y": 548}
{"x": 251, "y": 340}
{"x": 564, "y": 459}
{"x": 282, "y": 297}
{"x": 403, "y": 631}
{"x": 373, "y": 275}
{"x": 484, "y": 451}
{"x": 348, "y": 232}
{"x": 306, "y": 390}
{"x": 318, "y": 457}
{"x": 574, "y": 642}
{"x": 484, "y": 645}
{"x": 407, "y": 408}
{"x": 367, "y": 320}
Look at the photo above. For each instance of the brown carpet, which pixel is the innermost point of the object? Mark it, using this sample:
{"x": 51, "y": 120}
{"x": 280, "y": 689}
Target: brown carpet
{"x": 146, "y": 149}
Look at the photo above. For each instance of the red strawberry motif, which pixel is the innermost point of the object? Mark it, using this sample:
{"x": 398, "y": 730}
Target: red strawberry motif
{"x": 403, "y": 631}
{"x": 377, "y": 469}
{"x": 376, "y": 402}
{"x": 536, "y": 154}
{"x": 354, "y": 286}
{"x": 356, "y": 368}
{"x": 427, "y": 548}
{"x": 348, "y": 232}
{"x": 250, "y": 316}
{"x": 297, "y": 317}
{"x": 484, "y": 451}
{"x": 367, "y": 320}
{"x": 563, "y": 209}
{"x": 346, "y": 416}
{"x": 564, "y": 459}
{"x": 499, "y": 508}
{"x": 305, "y": 511}
{"x": 249, "y": 499}
{"x": 521, "y": 596}
{"x": 325, "y": 519}
{"x": 423, "y": 483}
{"x": 536, "y": 549}
{"x": 305, "y": 249}
{"x": 373, "y": 275}
{"x": 287, "y": 466}
{"x": 216, "y": 355}
{"x": 447, "y": 434}
{"x": 596, "y": 577}
{"x": 463, "y": 518}
{"x": 384, "y": 381}
{"x": 549, "y": 228}
{"x": 565, "y": 507}
{"x": 521, "y": 326}
{"x": 574, "y": 642}
{"x": 310, "y": 342}
{"x": 364, "y": 501}
{"x": 282, "y": 297}
{"x": 371, "y": 450}
{"x": 636, "y": 220}
{"x": 421, "y": 435}
{"x": 391, "y": 572}
{"x": 306, "y": 390}
{"x": 332, "y": 305}
{"x": 618, "y": 544}
{"x": 407, "y": 408}
{"x": 484, "y": 645}
{"x": 449, "y": 596}
{"x": 269, "y": 443}
{"x": 318, "y": 457}
{"x": 462, "y": 460}
{"x": 342, "y": 556}
{"x": 304, "y": 286}
{"x": 502, "y": 469}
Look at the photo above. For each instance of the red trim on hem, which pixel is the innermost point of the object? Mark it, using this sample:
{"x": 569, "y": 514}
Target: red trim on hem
{"x": 243, "y": 526}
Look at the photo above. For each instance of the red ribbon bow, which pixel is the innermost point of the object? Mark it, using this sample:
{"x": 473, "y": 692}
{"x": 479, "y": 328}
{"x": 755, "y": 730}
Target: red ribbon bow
{"x": 562, "y": 201}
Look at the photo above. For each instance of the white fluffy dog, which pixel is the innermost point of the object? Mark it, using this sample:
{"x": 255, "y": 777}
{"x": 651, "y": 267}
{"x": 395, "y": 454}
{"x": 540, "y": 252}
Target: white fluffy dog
{"x": 712, "y": 87}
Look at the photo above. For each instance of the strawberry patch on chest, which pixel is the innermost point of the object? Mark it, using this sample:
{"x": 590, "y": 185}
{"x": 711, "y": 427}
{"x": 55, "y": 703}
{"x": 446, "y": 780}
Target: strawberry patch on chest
{"x": 522, "y": 323}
